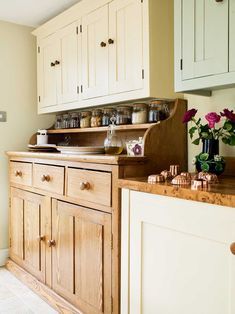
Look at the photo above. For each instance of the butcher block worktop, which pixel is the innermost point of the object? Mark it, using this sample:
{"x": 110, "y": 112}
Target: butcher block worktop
{"x": 222, "y": 193}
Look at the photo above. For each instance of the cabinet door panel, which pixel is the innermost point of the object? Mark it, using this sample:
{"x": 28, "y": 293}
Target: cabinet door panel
{"x": 204, "y": 38}
{"x": 69, "y": 63}
{"x": 27, "y": 225}
{"x": 126, "y": 52}
{"x": 94, "y": 56}
{"x": 49, "y": 76}
{"x": 81, "y": 257}
{"x": 180, "y": 251}
{"x": 232, "y": 36}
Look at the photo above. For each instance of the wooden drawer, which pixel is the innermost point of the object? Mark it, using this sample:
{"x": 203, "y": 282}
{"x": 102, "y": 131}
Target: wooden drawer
{"x": 49, "y": 178}
{"x": 91, "y": 186}
{"x": 21, "y": 173}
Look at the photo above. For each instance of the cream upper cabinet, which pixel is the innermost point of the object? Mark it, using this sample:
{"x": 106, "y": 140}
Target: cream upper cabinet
{"x": 125, "y": 45}
{"x": 204, "y": 45}
{"x": 204, "y": 38}
{"x": 95, "y": 53}
{"x": 176, "y": 256}
{"x": 123, "y": 52}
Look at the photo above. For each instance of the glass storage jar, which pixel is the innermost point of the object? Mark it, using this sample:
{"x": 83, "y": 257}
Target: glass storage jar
{"x": 58, "y": 122}
{"x": 107, "y": 115}
{"x": 123, "y": 115}
{"x": 74, "y": 120}
{"x": 65, "y": 121}
{"x": 139, "y": 114}
{"x": 159, "y": 110}
{"x": 96, "y": 118}
{"x": 85, "y": 119}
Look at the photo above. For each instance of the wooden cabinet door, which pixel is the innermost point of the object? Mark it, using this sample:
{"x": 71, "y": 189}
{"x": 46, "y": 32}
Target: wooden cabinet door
{"x": 81, "y": 257}
{"x": 70, "y": 45}
{"x": 125, "y": 45}
{"x": 95, "y": 53}
{"x": 204, "y": 38}
{"x": 232, "y": 36}
{"x": 179, "y": 256}
{"x": 27, "y": 231}
{"x": 49, "y": 73}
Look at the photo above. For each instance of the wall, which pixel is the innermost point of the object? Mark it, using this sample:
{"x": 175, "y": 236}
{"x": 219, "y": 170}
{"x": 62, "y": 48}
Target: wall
{"x": 220, "y": 99}
{"x": 18, "y": 98}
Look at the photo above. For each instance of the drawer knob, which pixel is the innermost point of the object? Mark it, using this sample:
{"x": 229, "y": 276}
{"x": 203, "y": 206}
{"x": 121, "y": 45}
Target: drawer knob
{"x": 84, "y": 186}
{"x": 57, "y": 62}
{"x": 111, "y": 41}
{"x": 18, "y": 173}
{"x": 41, "y": 238}
{"x": 51, "y": 243}
{"x": 103, "y": 44}
{"x": 232, "y": 248}
{"x": 45, "y": 178}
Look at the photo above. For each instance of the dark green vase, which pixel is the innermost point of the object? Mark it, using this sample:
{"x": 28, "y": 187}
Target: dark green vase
{"x": 206, "y": 161}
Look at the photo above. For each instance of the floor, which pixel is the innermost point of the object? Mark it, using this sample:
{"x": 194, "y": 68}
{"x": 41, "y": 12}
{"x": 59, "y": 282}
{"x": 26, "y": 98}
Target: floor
{"x": 16, "y": 298}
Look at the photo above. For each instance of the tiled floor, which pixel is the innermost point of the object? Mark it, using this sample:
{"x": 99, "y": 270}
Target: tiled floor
{"x": 18, "y": 299}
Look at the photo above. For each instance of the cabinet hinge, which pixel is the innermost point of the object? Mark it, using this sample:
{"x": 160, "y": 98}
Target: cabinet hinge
{"x": 143, "y": 74}
{"x": 38, "y": 49}
{"x": 142, "y": 1}
{"x": 112, "y": 242}
{"x": 77, "y": 89}
{"x": 10, "y": 242}
{"x": 80, "y": 28}
{"x": 111, "y": 304}
{"x": 39, "y": 98}
{"x": 181, "y": 64}
{"x": 81, "y": 89}
{"x": 77, "y": 30}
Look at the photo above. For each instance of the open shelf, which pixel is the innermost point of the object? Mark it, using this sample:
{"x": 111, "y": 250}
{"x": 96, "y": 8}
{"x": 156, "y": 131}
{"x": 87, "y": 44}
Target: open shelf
{"x": 103, "y": 129}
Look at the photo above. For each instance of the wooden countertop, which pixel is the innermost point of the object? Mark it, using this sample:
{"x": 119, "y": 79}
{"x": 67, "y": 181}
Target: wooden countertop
{"x": 222, "y": 193}
{"x": 100, "y": 159}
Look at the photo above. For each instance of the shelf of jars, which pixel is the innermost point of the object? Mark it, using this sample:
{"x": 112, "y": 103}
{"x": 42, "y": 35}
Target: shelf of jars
{"x": 127, "y": 127}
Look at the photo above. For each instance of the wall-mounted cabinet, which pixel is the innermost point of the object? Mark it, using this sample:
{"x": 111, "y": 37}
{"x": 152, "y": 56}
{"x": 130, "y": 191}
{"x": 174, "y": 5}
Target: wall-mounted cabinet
{"x": 204, "y": 44}
{"x": 100, "y": 52}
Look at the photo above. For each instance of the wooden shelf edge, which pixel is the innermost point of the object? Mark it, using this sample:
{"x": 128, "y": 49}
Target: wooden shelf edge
{"x": 103, "y": 129}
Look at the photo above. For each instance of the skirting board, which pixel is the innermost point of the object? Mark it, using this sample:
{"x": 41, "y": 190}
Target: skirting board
{"x": 4, "y": 253}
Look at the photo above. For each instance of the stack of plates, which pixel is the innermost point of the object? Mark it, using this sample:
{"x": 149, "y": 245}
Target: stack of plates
{"x": 42, "y": 148}
{"x": 82, "y": 150}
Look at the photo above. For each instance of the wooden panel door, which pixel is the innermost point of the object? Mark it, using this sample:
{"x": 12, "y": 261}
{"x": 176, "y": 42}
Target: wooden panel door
{"x": 81, "y": 256}
{"x": 70, "y": 44}
{"x": 28, "y": 231}
{"x": 232, "y": 36}
{"x": 204, "y": 38}
{"x": 49, "y": 71}
{"x": 95, "y": 53}
{"x": 125, "y": 45}
{"x": 180, "y": 258}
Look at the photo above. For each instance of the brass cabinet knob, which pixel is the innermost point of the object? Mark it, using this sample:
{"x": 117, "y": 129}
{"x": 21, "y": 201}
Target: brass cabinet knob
{"x": 18, "y": 173}
{"x": 52, "y": 64}
{"x": 41, "y": 238}
{"x": 219, "y": 0}
{"x": 46, "y": 178}
{"x": 84, "y": 186}
{"x": 51, "y": 243}
{"x": 111, "y": 41}
{"x": 103, "y": 44}
{"x": 232, "y": 248}
{"x": 57, "y": 62}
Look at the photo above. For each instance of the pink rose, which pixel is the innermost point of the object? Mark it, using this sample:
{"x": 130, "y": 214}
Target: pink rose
{"x": 189, "y": 115}
{"x": 212, "y": 118}
{"x": 228, "y": 114}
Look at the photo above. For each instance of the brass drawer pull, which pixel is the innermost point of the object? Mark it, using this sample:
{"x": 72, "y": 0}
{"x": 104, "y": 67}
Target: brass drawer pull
{"x": 46, "y": 178}
{"x": 52, "y": 64}
{"x": 232, "y": 248}
{"x": 41, "y": 238}
{"x": 219, "y": 0}
{"x": 18, "y": 173}
{"x": 84, "y": 186}
{"x": 51, "y": 243}
{"x": 111, "y": 41}
{"x": 103, "y": 44}
{"x": 57, "y": 62}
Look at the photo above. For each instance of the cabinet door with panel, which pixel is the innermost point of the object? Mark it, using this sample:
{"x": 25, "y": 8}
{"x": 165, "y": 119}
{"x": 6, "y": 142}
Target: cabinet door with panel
{"x": 205, "y": 28}
{"x": 28, "y": 234}
{"x": 49, "y": 73}
{"x": 177, "y": 254}
{"x": 232, "y": 36}
{"x": 81, "y": 256}
{"x": 125, "y": 45}
{"x": 95, "y": 53}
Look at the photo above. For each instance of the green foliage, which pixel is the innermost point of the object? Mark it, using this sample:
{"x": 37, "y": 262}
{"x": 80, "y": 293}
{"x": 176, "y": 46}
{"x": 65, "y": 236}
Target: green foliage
{"x": 197, "y": 141}
{"x": 203, "y": 157}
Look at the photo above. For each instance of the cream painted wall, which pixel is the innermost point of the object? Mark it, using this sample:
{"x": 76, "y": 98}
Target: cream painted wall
{"x": 18, "y": 98}
{"x": 217, "y": 102}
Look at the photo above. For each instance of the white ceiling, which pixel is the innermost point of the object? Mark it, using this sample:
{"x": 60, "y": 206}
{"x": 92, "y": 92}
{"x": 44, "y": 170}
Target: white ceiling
{"x": 32, "y": 12}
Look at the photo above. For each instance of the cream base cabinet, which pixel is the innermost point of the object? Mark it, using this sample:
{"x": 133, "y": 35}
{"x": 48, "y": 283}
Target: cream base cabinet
{"x": 204, "y": 45}
{"x": 176, "y": 256}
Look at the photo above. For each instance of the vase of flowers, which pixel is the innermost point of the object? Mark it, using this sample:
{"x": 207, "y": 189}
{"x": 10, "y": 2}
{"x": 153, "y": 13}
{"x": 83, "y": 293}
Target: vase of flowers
{"x": 209, "y": 160}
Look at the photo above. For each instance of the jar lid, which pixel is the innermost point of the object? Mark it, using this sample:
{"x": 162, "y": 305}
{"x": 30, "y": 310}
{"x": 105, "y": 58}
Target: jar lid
{"x": 108, "y": 109}
{"x": 124, "y": 108}
{"x": 86, "y": 112}
{"x": 74, "y": 114}
{"x": 96, "y": 111}
{"x": 140, "y": 105}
